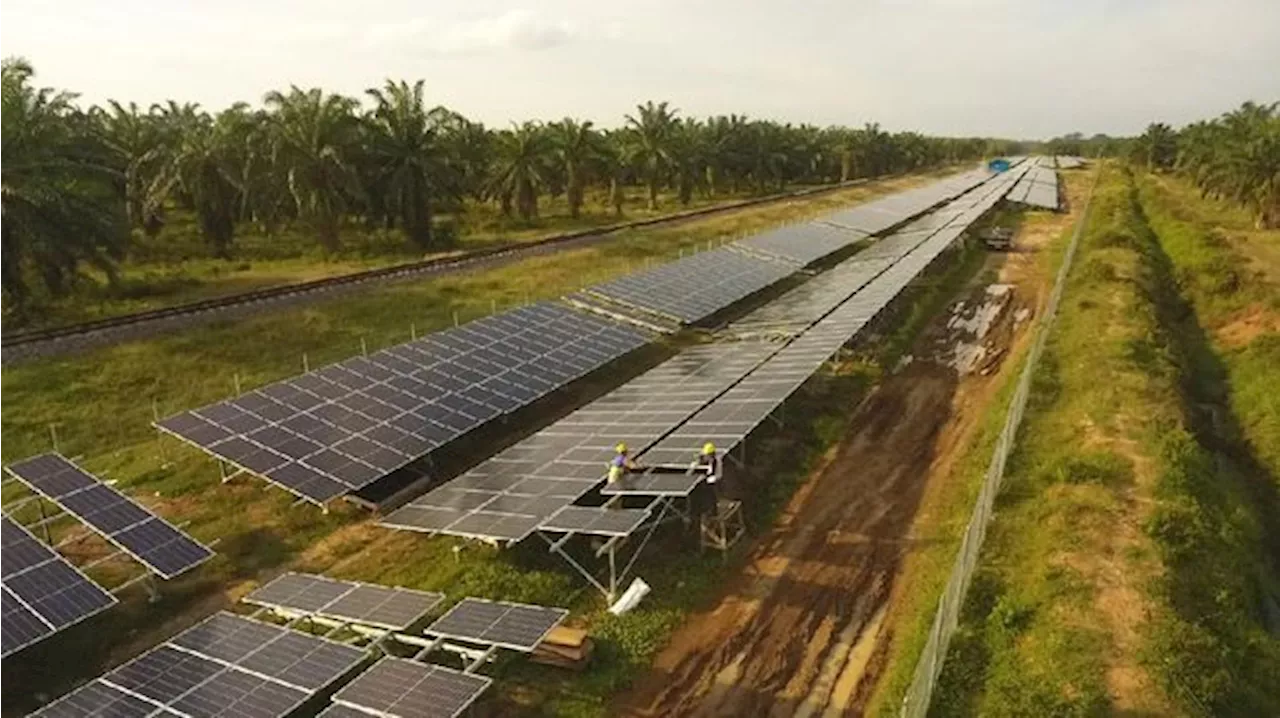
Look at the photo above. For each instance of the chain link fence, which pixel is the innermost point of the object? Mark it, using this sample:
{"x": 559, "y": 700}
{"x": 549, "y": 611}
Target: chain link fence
{"x": 915, "y": 704}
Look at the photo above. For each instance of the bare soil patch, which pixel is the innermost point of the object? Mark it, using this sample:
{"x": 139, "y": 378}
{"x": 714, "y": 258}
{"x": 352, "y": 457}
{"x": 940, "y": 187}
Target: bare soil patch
{"x": 802, "y": 631}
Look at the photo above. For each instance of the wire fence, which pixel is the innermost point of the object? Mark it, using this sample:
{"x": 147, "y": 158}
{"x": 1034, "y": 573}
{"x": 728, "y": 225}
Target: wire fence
{"x": 915, "y": 704}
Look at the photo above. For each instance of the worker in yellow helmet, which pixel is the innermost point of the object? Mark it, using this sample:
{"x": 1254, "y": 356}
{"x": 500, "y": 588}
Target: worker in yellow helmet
{"x": 704, "y": 497}
{"x": 708, "y": 462}
{"x": 621, "y": 464}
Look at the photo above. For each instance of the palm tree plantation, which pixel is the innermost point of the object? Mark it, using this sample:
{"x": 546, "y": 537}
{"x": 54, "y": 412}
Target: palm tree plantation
{"x": 310, "y": 169}
{"x": 702, "y": 414}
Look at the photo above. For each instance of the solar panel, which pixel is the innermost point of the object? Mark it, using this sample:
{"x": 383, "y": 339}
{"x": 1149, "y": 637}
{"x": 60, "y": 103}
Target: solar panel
{"x": 124, "y": 522}
{"x": 380, "y": 606}
{"x": 338, "y": 710}
{"x": 506, "y": 497}
{"x": 801, "y": 307}
{"x": 803, "y": 243}
{"x": 98, "y": 699}
{"x": 695, "y": 287}
{"x": 516, "y": 626}
{"x": 595, "y": 520}
{"x": 728, "y": 419}
{"x": 342, "y": 427}
{"x": 401, "y": 688}
{"x": 652, "y": 483}
{"x": 227, "y": 665}
{"x": 42, "y": 592}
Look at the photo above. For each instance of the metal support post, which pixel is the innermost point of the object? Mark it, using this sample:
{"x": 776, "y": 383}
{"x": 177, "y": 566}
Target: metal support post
{"x": 48, "y": 538}
{"x": 481, "y": 659}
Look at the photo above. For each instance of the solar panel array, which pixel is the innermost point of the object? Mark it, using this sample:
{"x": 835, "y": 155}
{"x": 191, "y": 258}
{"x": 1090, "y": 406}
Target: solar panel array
{"x": 881, "y": 214}
{"x": 506, "y": 497}
{"x": 227, "y": 665}
{"x": 401, "y": 688}
{"x": 735, "y": 414}
{"x": 340, "y": 428}
{"x": 692, "y": 288}
{"x": 517, "y": 626}
{"x": 1038, "y": 187}
{"x": 350, "y": 601}
{"x": 596, "y": 520}
{"x": 1067, "y": 162}
{"x": 654, "y": 483}
{"x": 124, "y": 522}
{"x": 803, "y": 243}
{"x": 42, "y": 592}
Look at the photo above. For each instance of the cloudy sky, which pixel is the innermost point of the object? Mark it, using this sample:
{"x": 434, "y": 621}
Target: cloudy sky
{"x": 1013, "y": 68}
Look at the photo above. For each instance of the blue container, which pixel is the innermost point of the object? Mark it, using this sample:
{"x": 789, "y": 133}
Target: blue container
{"x": 998, "y": 165}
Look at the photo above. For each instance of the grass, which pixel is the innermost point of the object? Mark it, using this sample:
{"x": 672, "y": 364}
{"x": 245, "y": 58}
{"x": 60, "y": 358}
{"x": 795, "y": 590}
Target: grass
{"x": 1126, "y": 568}
{"x": 175, "y": 267}
{"x": 101, "y": 404}
{"x": 944, "y": 518}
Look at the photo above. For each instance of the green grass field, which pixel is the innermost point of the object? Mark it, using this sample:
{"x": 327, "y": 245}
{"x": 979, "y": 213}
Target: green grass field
{"x": 1127, "y": 568}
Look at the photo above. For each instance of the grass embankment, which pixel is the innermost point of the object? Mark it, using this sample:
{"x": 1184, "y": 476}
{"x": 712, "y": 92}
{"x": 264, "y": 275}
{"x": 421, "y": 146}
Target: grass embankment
{"x": 1127, "y": 567}
{"x": 102, "y": 404}
{"x": 947, "y": 506}
{"x": 175, "y": 267}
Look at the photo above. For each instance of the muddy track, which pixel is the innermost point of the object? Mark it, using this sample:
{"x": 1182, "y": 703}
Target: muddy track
{"x": 784, "y": 641}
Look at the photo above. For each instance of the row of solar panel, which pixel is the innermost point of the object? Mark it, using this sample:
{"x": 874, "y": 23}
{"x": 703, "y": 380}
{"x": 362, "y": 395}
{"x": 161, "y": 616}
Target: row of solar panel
{"x": 698, "y": 286}
{"x": 338, "y": 429}
{"x": 508, "y": 496}
{"x": 164, "y": 549}
{"x": 230, "y": 665}
{"x": 734, "y": 415}
{"x": 42, "y": 592}
{"x": 227, "y": 665}
{"x": 533, "y": 484}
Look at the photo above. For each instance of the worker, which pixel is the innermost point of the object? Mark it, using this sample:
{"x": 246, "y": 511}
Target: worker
{"x": 621, "y": 464}
{"x": 708, "y": 462}
{"x": 704, "y": 497}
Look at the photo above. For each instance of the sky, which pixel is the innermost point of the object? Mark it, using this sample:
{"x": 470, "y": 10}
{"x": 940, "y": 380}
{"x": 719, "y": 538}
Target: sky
{"x": 1027, "y": 69}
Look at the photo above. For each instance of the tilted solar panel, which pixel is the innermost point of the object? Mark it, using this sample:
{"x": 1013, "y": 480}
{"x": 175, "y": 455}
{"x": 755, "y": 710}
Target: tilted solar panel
{"x": 401, "y": 688}
{"x": 159, "y": 545}
{"x": 227, "y": 665}
{"x": 42, "y": 592}
{"x": 506, "y": 497}
{"x": 340, "y": 428}
{"x": 803, "y": 243}
{"x": 367, "y": 604}
{"x": 517, "y": 626}
{"x": 697, "y": 286}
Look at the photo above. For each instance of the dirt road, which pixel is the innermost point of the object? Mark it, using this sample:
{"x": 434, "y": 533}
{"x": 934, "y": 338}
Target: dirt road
{"x": 796, "y": 633}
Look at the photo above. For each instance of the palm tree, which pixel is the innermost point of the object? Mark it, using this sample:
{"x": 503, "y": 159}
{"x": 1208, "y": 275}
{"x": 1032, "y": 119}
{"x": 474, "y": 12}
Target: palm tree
{"x": 60, "y": 203}
{"x": 206, "y": 167}
{"x": 312, "y": 133}
{"x": 723, "y": 145}
{"x": 1157, "y": 148}
{"x": 688, "y": 153}
{"x": 577, "y": 146}
{"x": 521, "y": 168}
{"x": 136, "y": 144}
{"x": 653, "y": 126}
{"x": 407, "y": 149}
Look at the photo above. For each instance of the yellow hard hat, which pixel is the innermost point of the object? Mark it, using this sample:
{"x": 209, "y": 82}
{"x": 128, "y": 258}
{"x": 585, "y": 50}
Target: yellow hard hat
{"x": 621, "y": 447}
{"x": 708, "y": 448}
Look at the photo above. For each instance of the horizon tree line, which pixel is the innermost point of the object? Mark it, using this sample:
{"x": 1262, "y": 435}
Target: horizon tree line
{"x": 79, "y": 183}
